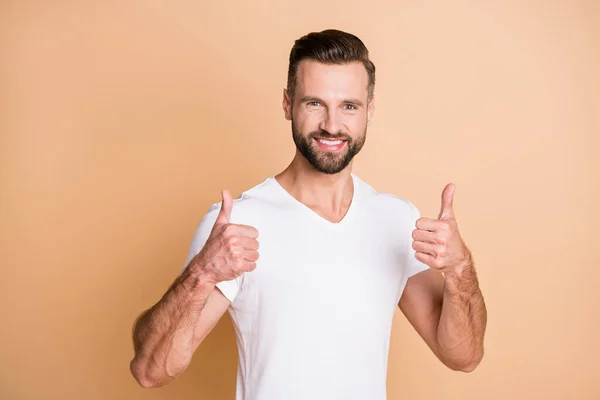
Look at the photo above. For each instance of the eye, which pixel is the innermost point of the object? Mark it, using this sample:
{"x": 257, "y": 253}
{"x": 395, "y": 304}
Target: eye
{"x": 314, "y": 103}
{"x": 350, "y": 107}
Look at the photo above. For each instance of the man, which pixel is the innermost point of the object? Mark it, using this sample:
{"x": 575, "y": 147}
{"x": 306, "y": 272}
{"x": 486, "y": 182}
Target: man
{"x": 313, "y": 314}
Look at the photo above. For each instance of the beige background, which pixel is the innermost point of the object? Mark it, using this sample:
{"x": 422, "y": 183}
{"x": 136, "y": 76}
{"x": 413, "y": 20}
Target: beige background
{"x": 121, "y": 121}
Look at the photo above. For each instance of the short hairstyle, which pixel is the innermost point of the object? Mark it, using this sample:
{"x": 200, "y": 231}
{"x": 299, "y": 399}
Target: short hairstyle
{"x": 330, "y": 46}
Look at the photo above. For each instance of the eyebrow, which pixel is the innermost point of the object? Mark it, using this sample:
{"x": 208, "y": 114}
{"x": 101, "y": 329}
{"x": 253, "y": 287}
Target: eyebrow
{"x": 313, "y": 98}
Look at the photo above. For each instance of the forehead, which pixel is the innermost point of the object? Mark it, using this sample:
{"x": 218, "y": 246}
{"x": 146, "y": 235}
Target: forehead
{"x": 332, "y": 80}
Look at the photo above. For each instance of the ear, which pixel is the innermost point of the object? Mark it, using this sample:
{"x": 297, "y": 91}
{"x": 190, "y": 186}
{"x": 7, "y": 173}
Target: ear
{"x": 287, "y": 105}
{"x": 371, "y": 109}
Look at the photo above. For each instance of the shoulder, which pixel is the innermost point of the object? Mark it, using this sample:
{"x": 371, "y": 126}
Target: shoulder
{"x": 387, "y": 204}
{"x": 250, "y": 202}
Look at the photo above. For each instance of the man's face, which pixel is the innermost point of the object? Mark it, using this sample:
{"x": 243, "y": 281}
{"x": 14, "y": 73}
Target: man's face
{"x": 329, "y": 113}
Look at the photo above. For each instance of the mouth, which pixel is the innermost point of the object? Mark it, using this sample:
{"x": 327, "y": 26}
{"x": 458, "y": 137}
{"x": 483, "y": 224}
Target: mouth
{"x": 331, "y": 145}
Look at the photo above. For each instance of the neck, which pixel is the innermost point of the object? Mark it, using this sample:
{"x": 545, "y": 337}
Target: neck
{"x": 328, "y": 195}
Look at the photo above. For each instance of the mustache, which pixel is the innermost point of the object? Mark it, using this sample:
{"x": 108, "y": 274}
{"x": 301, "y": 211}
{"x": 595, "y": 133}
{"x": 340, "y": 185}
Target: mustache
{"x": 326, "y": 135}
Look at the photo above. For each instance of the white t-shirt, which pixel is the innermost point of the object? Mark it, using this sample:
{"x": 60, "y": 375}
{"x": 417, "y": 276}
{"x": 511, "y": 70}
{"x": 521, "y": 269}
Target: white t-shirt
{"x": 313, "y": 320}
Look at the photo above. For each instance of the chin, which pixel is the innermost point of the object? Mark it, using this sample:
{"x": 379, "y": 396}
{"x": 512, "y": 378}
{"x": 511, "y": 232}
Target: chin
{"x": 330, "y": 169}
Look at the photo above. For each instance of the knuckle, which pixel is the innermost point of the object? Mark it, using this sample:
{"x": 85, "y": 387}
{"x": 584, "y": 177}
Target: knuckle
{"x": 229, "y": 229}
{"x": 440, "y": 250}
{"x": 239, "y": 268}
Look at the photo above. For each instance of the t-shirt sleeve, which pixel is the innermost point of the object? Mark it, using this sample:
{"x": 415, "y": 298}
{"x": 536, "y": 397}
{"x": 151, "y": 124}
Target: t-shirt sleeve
{"x": 414, "y": 266}
{"x": 228, "y": 288}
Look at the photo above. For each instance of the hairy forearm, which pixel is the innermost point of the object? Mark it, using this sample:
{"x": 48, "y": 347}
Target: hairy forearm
{"x": 463, "y": 320}
{"x": 163, "y": 335}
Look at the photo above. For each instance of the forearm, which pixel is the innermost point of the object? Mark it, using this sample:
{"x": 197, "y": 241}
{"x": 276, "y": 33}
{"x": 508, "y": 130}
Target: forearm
{"x": 163, "y": 336}
{"x": 463, "y": 320}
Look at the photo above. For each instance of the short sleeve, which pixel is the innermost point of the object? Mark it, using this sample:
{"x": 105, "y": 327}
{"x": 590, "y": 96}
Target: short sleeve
{"x": 414, "y": 266}
{"x": 228, "y": 288}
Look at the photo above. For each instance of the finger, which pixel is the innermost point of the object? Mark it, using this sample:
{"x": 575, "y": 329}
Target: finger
{"x": 429, "y": 224}
{"x": 251, "y": 266}
{"x": 247, "y": 231}
{"x": 447, "y": 210}
{"x": 424, "y": 236}
{"x": 426, "y": 248}
{"x": 251, "y": 255}
{"x": 226, "y": 206}
{"x": 425, "y": 258}
{"x": 249, "y": 243}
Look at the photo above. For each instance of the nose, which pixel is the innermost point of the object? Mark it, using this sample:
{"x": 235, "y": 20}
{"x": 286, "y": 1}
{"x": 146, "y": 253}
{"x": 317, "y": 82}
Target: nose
{"x": 331, "y": 122}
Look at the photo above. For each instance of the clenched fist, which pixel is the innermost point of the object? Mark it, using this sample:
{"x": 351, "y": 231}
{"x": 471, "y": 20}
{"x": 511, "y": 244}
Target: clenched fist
{"x": 231, "y": 249}
{"x": 437, "y": 242}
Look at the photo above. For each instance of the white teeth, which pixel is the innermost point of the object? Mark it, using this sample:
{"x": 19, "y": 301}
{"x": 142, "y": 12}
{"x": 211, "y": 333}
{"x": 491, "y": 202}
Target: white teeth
{"x": 331, "y": 142}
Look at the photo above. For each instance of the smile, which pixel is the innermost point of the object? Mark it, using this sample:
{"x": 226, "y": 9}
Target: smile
{"x": 331, "y": 142}
{"x": 331, "y": 146}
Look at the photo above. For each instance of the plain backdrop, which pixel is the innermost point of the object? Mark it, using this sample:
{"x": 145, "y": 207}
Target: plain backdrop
{"x": 121, "y": 121}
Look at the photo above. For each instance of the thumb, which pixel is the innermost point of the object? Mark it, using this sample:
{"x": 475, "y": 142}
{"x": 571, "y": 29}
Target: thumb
{"x": 447, "y": 210}
{"x": 226, "y": 205}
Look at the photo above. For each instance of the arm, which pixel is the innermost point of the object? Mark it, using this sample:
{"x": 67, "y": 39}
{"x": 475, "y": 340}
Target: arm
{"x": 166, "y": 336}
{"x": 444, "y": 303}
{"x": 464, "y": 318}
{"x": 449, "y": 314}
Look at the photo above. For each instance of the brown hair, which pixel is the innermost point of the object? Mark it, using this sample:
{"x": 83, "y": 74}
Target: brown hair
{"x": 330, "y": 46}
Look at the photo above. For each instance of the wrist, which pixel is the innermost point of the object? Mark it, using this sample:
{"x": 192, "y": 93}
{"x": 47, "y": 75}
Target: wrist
{"x": 459, "y": 271}
{"x": 198, "y": 276}
{"x": 462, "y": 278}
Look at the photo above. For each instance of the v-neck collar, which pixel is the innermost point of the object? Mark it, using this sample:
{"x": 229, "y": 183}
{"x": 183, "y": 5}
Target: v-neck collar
{"x": 345, "y": 219}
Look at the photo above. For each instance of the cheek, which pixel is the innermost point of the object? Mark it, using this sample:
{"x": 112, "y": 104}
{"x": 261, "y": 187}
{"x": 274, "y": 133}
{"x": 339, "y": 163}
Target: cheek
{"x": 307, "y": 122}
{"x": 356, "y": 124}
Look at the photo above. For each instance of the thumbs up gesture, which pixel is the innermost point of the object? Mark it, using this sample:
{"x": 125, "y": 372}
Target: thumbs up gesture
{"x": 437, "y": 242}
{"x": 230, "y": 249}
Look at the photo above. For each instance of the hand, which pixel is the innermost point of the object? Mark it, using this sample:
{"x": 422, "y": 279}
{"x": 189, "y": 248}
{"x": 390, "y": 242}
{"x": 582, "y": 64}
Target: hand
{"x": 231, "y": 249}
{"x": 437, "y": 242}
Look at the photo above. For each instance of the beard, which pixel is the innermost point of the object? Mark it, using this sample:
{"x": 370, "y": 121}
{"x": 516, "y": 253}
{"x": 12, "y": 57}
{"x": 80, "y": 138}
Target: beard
{"x": 323, "y": 161}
